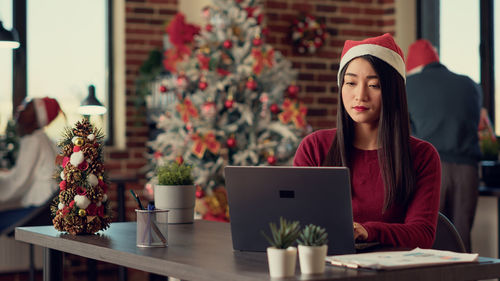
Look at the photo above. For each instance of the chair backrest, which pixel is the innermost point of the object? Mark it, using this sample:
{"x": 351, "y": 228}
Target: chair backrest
{"x": 447, "y": 236}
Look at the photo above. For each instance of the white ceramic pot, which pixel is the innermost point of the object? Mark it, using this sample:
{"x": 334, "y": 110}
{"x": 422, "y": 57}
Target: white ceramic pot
{"x": 178, "y": 199}
{"x": 282, "y": 261}
{"x": 312, "y": 259}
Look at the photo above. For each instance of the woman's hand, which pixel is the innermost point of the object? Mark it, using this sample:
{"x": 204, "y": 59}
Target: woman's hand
{"x": 360, "y": 233}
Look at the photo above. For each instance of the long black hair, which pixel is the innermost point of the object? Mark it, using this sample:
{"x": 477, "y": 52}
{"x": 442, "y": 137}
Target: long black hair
{"x": 394, "y": 154}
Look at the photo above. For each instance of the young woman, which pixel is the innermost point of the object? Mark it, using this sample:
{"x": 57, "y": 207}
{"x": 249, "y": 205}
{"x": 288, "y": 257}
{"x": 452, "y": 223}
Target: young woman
{"x": 395, "y": 178}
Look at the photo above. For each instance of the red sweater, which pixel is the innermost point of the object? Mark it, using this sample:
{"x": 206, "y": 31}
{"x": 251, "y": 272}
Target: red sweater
{"x": 413, "y": 225}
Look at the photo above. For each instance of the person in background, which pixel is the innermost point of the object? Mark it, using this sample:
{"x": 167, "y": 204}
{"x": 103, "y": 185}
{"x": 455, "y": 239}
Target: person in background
{"x": 395, "y": 178}
{"x": 30, "y": 182}
{"x": 445, "y": 110}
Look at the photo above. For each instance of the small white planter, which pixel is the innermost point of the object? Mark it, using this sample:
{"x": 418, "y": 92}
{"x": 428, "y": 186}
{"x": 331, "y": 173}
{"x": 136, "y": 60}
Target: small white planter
{"x": 312, "y": 259}
{"x": 282, "y": 262}
{"x": 178, "y": 199}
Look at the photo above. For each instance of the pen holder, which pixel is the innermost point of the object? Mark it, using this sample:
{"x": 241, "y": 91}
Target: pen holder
{"x": 152, "y": 228}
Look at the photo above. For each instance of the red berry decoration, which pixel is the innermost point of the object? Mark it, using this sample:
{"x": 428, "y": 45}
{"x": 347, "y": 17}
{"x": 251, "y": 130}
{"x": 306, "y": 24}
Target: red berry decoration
{"x": 274, "y": 108}
{"x": 251, "y": 84}
{"x": 179, "y": 160}
{"x": 163, "y": 89}
{"x": 293, "y": 90}
{"x": 227, "y": 44}
{"x": 271, "y": 159}
{"x": 231, "y": 142}
{"x": 229, "y": 103}
{"x": 209, "y": 27}
{"x": 199, "y": 192}
{"x": 202, "y": 85}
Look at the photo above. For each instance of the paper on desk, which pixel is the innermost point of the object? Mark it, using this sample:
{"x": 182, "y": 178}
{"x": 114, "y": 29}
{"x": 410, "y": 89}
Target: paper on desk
{"x": 401, "y": 259}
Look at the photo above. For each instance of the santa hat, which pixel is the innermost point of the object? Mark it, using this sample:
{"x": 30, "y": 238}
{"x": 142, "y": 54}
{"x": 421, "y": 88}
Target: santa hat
{"x": 46, "y": 110}
{"x": 383, "y": 47}
{"x": 420, "y": 54}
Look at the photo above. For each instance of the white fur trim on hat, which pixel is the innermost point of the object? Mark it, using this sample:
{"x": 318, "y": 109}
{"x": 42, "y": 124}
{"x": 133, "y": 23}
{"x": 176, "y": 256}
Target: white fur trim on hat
{"x": 41, "y": 112}
{"x": 383, "y": 53}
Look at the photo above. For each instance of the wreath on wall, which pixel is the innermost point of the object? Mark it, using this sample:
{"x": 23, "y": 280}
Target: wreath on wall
{"x": 308, "y": 34}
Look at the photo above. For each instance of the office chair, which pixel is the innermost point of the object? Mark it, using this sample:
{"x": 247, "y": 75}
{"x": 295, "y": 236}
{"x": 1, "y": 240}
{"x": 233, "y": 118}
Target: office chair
{"x": 447, "y": 236}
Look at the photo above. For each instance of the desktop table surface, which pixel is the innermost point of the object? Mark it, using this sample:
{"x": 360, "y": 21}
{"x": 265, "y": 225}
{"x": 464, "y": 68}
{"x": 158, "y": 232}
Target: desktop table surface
{"x": 203, "y": 251}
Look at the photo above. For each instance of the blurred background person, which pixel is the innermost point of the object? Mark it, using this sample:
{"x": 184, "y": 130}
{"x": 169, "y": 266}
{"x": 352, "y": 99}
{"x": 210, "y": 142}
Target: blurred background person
{"x": 30, "y": 182}
{"x": 445, "y": 109}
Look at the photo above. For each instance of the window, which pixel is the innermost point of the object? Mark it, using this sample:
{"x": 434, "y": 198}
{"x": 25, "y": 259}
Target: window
{"x": 67, "y": 52}
{"x": 459, "y": 37}
{"x": 5, "y": 68}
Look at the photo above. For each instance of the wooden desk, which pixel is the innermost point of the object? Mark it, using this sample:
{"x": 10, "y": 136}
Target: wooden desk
{"x": 203, "y": 251}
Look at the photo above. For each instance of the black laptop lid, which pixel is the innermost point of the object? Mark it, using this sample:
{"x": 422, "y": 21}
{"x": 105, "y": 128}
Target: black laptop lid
{"x": 317, "y": 195}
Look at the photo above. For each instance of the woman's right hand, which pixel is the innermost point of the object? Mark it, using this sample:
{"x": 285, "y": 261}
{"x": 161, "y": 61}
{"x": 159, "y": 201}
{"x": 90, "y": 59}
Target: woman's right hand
{"x": 360, "y": 233}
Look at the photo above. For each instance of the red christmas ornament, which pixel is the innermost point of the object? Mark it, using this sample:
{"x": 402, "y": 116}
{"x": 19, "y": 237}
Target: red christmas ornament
{"x": 251, "y": 84}
{"x": 179, "y": 160}
{"x": 202, "y": 85}
{"x": 231, "y": 142}
{"x": 181, "y": 81}
{"x": 209, "y": 27}
{"x": 271, "y": 159}
{"x": 163, "y": 89}
{"x": 257, "y": 41}
{"x": 293, "y": 90}
{"x": 229, "y": 103}
{"x": 227, "y": 44}
{"x": 208, "y": 109}
{"x": 199, "y": 192}
{"x": 157, "y": 155}
{"x": 274, "y": 108}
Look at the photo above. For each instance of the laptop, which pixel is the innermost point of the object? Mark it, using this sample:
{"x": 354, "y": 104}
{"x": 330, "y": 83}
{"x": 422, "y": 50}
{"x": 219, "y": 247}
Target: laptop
{"x": 258, "y": 195}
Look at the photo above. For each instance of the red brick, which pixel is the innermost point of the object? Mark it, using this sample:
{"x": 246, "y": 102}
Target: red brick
{"x": 302, "y": 7}
{"x": 276, "y": 5}
{"x": 385, "y": 1}
{"x": 144, "y": 10}
{"x": 327, "y": 78}
{"x": 350, "y": 10}
{"x": 366, "y": 22}
{"x": 119, "y": 155}
{"x": 315, "y": 89}
{"x": 135, "y": 165}
{"x": 164, "y": 1}
{"x": 140, "y": 31}
{"x": 315, "y": 66}
{"x": 325, "y": 124}
{"x": 279, "y": 28}
{"x": 317, "y": 112}
{"x": 306, "y": 77}
{"x": 135, "y": 20}
{"x": 351, "y": 32}
{"x": 307, "y": 100}
{"x": 338, "y": 20}
{"x": 326, "y": 8}
{"x": 372, "y": 11}
{"x": 168, "y": 12}
{"x": 362, "y": 1}
{"x": 327, "y": 100}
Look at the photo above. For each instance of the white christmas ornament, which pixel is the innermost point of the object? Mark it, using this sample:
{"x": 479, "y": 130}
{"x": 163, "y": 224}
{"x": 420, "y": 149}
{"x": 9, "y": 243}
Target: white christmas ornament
{"x": 91, "y": 137}
{"x": 73, "y": 140}
{"x": 63, "y": 177}
{"x": 76, "y": 158}
{"x": 60, "y": 206}
{"x": 82, "y": 201}
{"x": 98, "y": 204}
{"x": 92, "y": 180}
{"x": 104, "y": 198}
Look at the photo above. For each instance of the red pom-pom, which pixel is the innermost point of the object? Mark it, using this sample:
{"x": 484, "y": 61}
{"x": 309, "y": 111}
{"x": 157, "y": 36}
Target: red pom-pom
{"x": 231, "y": 142}
{"x": 199, "y": 192}
{"x": 202, "y": 85}
{"x": 62, "y": 185}
{"x": 157, "y": 155}
{"x": 81, "y": 191}
{"x": 83, "y": 166}
{"x": 65, "y": 161}
{"x": 209, "y": 27}
{"x": 274, "y": 108}
{"x": 100, "y": 211}
{"x": 72, "y": 203}
{"x": 92, "y": 209}
{"x": 76, "y": 148}
{"x": 227, "y": 44}
{"x": 271, "y": 159}
{"x": 163, "y": 89}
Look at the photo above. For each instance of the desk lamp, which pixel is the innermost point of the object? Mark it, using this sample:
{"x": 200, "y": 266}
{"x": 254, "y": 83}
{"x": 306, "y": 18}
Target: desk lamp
{"x": 91, "y": 105}
{"x": 8, "y": 39}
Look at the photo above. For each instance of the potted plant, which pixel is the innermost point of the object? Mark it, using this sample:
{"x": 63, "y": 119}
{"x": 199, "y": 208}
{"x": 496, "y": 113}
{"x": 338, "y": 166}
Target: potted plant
{"x": 282, "y": 256}
{"x": 312, "y": 249}
{"x": 175, "y": 191}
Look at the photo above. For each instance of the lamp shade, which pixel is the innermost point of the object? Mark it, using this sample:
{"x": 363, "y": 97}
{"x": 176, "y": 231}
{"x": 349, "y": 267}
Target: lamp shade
{"x": 91, "y": 105}
{"x": 8, "y": 39}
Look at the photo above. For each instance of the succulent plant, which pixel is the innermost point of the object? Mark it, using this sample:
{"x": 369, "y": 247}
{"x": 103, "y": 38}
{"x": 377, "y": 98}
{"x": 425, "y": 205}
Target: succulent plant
{"x": 284, "y": 236}
{"x": 313, "y": 235}
{"x": 175, "y": 174}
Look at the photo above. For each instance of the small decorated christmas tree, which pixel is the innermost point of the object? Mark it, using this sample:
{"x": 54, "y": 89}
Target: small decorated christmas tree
{"x": 81, "y": 207}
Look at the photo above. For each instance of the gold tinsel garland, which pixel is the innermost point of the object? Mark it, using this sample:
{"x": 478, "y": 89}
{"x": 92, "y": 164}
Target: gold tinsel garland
{"x": 81, "y": 207}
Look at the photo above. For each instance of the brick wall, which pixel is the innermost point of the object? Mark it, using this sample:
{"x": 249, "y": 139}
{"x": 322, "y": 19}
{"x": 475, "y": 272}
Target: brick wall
{"x": 145, "y": 26}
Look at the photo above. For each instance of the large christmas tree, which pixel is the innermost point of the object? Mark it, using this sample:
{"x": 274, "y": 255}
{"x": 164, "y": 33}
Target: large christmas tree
{"x": 230, "y": 99}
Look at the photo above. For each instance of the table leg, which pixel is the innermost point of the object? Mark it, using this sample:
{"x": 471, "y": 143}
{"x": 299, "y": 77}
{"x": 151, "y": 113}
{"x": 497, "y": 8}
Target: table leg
{"x": 52, "y": 265}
